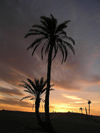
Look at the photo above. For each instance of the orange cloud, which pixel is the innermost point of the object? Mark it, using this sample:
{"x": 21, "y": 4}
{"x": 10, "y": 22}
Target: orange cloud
{"x": 9, "y": 89}
{"x": 71, "y": 97}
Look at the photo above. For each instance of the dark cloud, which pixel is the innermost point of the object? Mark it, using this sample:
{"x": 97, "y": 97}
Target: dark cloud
{"x": 11, "y": 101}
{"x": 93, "y": 79}
{"x": 11, "y": 91}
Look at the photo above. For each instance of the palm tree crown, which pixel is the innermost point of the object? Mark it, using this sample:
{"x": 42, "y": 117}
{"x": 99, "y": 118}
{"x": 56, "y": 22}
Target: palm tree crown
{"x": 35, "y": 88}
{"x": 89, "y": 102}
{"x": 52, "y": 35}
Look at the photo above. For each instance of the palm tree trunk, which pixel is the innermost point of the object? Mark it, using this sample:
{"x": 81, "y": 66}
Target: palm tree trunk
{"x": 37, "y": 105}
{"x": 89, "y": 109}
{"x": 47, "y": 116}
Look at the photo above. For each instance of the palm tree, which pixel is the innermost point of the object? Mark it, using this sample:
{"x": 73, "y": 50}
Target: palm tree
{"x": 81, "y": 109}
{"x": 89, "y": 102}
{"x": 54, "y": 38}
{"x": 86, "y": 110}
{"x": 36, "y": 88}
{"x": 86, "y": 113}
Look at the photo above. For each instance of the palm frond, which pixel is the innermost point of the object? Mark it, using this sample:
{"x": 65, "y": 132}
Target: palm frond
{"x": 38, "y": 40}
{"x": 34, "y": 30}
{"x": 43, "y": 84}
{"x": 27, "y": 86}
{"x": 35, "y": 48}
{"x": 62, "y": 26}
{"x": 54, "y": 23}
{"x": 61, "y": 49}
{"x": 71, "y": 40}
{"x": 43, "y": 90}
{"x": 62, "y": 32}
{"x": 50, "y": 23}
{"x": 41, "y": 94}
{"x": 25, "y": 97}
{"x": 47, "y": 20}
{"x": 40, "y": 27}
{"x": 22, "y": 85}
{"x": 44, "y": 23}
{"x": 37, "y": 84}
{"x": 28, "y": 91}
{"x": 41, "y": 81}
{"x": 32, "y": 98}
{"x": 32, "y": 84}
{"x": 47, "y": 48}
{"x": 37, "y": 32}
{"x": 70, "y": 46}
{"x": 29, "y": 34}
{"x": 42, "y": 51}
{"x": 66, "y": 52}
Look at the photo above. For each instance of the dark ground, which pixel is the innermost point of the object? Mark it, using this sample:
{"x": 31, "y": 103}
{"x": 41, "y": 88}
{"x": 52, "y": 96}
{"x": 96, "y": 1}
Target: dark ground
{"x": 25, "y": 122}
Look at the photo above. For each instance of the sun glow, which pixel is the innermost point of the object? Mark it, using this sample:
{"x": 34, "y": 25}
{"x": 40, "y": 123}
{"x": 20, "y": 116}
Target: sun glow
{"x": 61, "y": 110}
{"x": 62, "y": 107}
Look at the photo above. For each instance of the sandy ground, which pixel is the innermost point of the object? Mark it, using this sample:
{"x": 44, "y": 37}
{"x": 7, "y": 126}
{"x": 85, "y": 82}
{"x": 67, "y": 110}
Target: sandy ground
{"x": 22, "y": 122}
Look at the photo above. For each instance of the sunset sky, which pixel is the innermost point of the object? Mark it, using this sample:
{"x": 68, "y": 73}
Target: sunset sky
{"x": 77, "y": 80}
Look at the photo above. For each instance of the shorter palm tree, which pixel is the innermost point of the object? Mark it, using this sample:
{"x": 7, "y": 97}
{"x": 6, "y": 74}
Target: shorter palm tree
{"x": 86, "y": 113}
{"x": 86, "y": 110}
{"x": 81, "y": 109}
{"x": 36, "y": 89}
{"x": 89, "y": 102}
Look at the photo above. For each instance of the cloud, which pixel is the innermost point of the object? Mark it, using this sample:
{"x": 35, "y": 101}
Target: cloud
{"x": 13, "y": 101}
{"x": 75, "y": 99}
{"x": 93, "y": 79}
{"x": 13, "y": 91}
{"x": 9, "y": 89}
{"x": 71, "y": 97}
{"x": 80, "y": 102}
{"x": 1, "y": 97}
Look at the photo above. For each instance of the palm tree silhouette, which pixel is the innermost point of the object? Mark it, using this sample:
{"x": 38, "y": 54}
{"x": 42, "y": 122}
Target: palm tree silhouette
{"x": 36, "y": 88}
{"x": 86, "y": 110}
{"x": 89, "y": 102}
{"x": 81, "y": 109}
{"x": 86, "y": 113}
{"x": 53, "y": 37}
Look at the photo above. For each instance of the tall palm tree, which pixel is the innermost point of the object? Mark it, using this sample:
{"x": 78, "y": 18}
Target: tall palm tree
{"x": 36, "y": 88}
{"x": 89, "y": 102}
{"x": 53, "y": 38}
